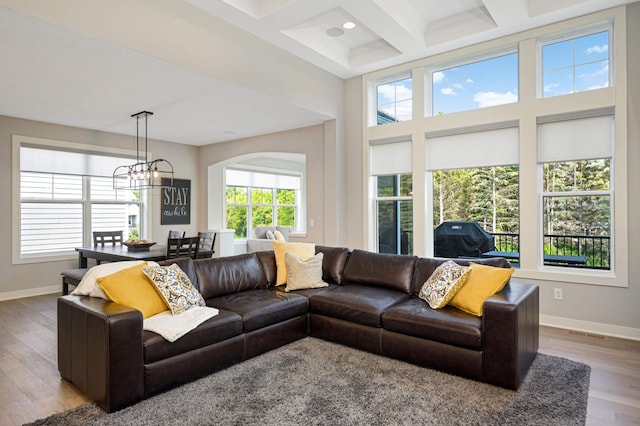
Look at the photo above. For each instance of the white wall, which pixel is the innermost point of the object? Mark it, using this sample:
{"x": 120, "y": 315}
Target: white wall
{"x": 310, "y": 141}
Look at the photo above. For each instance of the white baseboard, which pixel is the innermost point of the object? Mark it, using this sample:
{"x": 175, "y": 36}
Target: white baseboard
{"x": 39, "y": 291}
{"x": 591, "y": 327}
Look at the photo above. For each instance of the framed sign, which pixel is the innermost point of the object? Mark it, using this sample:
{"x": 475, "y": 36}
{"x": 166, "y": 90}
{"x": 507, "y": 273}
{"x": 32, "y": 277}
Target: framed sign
{"x": 176, "y": 202}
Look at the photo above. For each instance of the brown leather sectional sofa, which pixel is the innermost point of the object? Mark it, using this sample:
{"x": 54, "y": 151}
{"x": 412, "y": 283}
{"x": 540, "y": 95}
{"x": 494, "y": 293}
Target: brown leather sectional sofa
{"x": 371, "y": 304}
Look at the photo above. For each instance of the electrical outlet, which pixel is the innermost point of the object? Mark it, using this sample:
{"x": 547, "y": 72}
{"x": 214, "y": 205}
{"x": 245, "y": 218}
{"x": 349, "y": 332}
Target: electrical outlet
{"x": 557, "y": 293}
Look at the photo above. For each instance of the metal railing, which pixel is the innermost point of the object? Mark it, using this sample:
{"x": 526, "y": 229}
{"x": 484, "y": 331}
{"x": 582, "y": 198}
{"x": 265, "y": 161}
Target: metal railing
{"x": 580, "y": 251}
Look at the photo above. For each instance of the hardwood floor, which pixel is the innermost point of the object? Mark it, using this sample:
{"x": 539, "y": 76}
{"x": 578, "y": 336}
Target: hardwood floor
{"x": 31, "y": 388}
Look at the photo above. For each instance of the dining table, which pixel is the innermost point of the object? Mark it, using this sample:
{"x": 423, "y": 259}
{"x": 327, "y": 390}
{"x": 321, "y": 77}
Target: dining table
{"x": 115, "y": 253}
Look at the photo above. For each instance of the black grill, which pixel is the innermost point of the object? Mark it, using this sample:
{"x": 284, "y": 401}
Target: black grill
{"x": 461, "y": 239}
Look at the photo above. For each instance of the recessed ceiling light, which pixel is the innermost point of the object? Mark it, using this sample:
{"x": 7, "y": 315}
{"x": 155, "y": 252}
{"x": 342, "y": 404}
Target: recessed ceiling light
{"x": 335, "y": 32}
{"x": 349, "y": 25}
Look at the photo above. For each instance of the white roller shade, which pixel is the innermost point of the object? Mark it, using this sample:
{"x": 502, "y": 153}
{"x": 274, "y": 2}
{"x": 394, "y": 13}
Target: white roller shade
{"x": 69, "y": 163}
{"x": 391, "y": 159}
{"x": 579, "y": 139}
{"x": 476, "y": 149}
{"x": 261, "y": 180}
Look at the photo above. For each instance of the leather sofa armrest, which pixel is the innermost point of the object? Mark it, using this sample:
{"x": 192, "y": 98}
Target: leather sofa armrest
{"x": 100, "y": 350}
{"x": 510, "y": 327}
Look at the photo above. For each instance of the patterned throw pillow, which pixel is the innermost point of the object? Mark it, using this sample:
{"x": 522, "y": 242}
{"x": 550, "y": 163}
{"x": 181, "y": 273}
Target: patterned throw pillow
{"x": 302, "y": 274}
{"x": 174, "y": 287}
{"x": 444, "y": 283}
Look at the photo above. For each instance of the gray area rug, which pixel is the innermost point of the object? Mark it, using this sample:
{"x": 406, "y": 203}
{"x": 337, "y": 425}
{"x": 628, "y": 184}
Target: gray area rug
{"x": 313, "y": 382}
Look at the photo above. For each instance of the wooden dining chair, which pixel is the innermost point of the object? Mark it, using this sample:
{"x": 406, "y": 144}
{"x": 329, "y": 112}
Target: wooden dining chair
{"x": 177, "y": 234}
{"x": 183, "y": 247}
{"x": 207, "y": 240}
{"x": 107, "y": 237}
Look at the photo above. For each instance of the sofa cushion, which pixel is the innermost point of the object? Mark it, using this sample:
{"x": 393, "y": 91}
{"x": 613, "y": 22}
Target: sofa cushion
{"x": 425, "y": 267}
{"x": 447, "y": 325}
{"x": 357, "y": 303}
{"x": 390, "y": 271}
{"x": 308, "y": 292}
{"x": 221, "y": 327}
{"x": 262, "y": 307}
{"x": 267, "y": 260}
{"x": 223, "y": 275}
{"x": 333, "y": 264}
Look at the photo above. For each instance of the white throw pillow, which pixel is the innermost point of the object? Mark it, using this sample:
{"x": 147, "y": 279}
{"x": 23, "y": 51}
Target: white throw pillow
{"x": 88, "y": 286}
{"x": 303, "y": 274}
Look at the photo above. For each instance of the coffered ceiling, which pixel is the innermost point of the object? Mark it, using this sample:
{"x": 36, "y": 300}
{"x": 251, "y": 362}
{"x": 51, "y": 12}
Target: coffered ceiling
{"x": 196, "y": 63}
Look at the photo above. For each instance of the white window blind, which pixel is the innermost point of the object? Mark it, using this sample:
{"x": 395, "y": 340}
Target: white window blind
{"x": 485, "y": 148}
{"x": 578, "y": 139}
{"x": 261, "y": 180}
{"x": 68, "y": 162}
{"x": 391, "y": 159}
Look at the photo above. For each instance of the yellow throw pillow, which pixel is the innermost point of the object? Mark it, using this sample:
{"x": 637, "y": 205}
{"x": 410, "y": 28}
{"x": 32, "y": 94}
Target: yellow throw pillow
{"x": 132, "y": 288}
{"x": 304, "y": 251}
{"x": 484, "y": 281}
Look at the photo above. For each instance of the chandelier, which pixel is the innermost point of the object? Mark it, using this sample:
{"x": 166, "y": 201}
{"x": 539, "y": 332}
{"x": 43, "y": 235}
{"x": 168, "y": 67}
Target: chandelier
{"x": 143, "y": 174}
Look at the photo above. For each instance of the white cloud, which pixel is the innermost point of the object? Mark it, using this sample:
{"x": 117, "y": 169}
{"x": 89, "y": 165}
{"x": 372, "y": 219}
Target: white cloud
{"x": 438, "y": 77}
{"x": 598, "y": 86}
{"x": 448, "y": 91}
{"x": 469, "y": 81}
{"x": 550, "y": 87}
{"x": 485, "y": 99}
{"x": 458, "y": 86}
{"x": 597, "y": 49}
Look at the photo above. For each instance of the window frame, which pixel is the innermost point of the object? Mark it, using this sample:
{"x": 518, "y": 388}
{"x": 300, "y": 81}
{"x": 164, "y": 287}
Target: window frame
{"x": 526, "y": 114}
{"x": 298, "y": 206}
{"x": 460, "y": 62}
{"x": 395, "y": 198}
{"x": 373, "y": 96}
{"x": 541, "y": 42}
{"x": 17, "y": 142}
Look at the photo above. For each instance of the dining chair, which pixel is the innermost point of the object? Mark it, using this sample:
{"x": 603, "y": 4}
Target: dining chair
{"x": 107, "y": 237}
{"x": 207, "y": 240}
{"x": 183, "y": 247}
{"x": 177, "y": 234}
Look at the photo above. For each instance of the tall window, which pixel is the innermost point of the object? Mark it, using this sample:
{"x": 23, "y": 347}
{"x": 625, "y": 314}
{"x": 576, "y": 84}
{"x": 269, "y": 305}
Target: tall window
{"x": 59, "y": 210}
{"x": 488, "y": 196}
{"x": 393, "y": 202}
{"x": 474, "y": 85}
{"x": 394, "y": 101}
{"x": 576, "y": 192}
{"x": 254, "y": 199}
{"x": 575, "y": 64}
{"x": 394, "y": 213}
{"x": 480, "y": 186}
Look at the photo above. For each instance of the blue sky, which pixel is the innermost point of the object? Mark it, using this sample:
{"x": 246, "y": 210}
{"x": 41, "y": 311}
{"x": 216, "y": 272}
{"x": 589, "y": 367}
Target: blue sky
{"x": 568, "y": 66}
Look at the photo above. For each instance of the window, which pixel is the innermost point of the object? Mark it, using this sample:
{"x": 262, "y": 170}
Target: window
{"x": 475, "y": 85}
{"x": 59, "y": 211}
{"x": 486, "y": 195}
{"x": 254, "y": 199}
{"x": 576, "y": 64}
{"x": 394, "y": 101}
{"x": 576, "y": 193}
{"x": 480, "y": 186}
{"x": 394, "y": 213}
